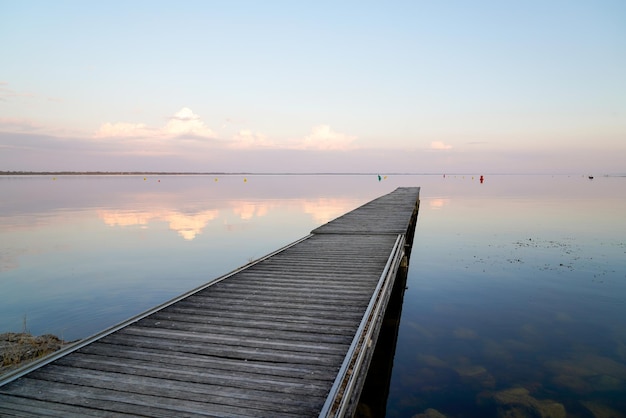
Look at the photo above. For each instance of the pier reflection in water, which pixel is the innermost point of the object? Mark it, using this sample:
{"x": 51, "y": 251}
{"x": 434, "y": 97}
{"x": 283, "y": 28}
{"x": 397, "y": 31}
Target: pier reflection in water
{"x": 373, "y": 401}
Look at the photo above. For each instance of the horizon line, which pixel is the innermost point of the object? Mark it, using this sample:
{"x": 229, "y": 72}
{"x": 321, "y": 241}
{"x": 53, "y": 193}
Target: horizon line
{"x": 231, "y": 173}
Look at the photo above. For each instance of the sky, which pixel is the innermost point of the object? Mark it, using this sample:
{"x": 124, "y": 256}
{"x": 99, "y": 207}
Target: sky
{"x": 294, "y": 86}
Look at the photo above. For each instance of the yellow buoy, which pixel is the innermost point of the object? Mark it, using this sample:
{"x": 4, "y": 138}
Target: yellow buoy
{"x": 245, "y": 180}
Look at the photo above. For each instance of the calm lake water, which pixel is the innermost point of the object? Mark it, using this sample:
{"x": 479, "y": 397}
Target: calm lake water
{"x": 516, "y": 293}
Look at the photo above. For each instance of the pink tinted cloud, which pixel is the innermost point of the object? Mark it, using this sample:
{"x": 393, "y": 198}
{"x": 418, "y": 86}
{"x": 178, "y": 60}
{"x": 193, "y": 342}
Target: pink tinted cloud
{"x": 184, "y": 123}
{"x": 439, "y": 145}
{"x": 247, "y": 139}
{"x": 322, "y": 137}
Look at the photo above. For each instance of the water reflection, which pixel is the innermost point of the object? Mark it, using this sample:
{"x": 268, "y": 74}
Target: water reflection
{"x": 249, "y": 210}
{"x": 186, "y": 225}
{"x": 190, "y": 224}
{"x": 100, "y": 249}
{"x": 438, "y": 203}
{"x": 325, "y": 210}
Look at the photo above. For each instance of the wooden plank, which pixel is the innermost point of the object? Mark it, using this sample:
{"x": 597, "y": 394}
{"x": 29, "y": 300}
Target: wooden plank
{"x": 305, "y": 334}
{"x": 142, "y": 378}
{"x": 294, "y": 296}
{"x": 211, "y": 324}
{"x": 226, "y": 309}
{"x": 279, "y": 343}
{"x": 126, "y": 402}
{"x": 385, "y": 215}
{"x": 15, "y": 406}
{"x": 244, "y": 353}
{"x": 346, "y": 289}
{"x": 187, "y": 361}
{"x": 262, "y": 306}
{"x": 256, "y": 321}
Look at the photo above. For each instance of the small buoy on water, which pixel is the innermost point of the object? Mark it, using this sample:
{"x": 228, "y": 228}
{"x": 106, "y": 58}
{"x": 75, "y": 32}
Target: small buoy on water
{"x": 144, "y": 179}
{"x": 482, "y": 179}
{"x": 54, "y": 178}
{"x": 159, "y": 181}
{"x": 379, "y": 178}
{"x": 215, "y": 178}
{"x": 385, "y": 178}
{"x": 245, "y": 180}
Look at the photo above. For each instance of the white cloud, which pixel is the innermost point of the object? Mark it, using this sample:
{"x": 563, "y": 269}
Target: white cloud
{"x": 247, "y": 139}
{"x": 439, "y": 145}
{"x": 322, "y": 137}
{"x": 183, "y": 123}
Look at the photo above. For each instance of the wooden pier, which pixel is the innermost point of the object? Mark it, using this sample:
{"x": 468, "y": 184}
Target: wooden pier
{"x": 290, "y": 334}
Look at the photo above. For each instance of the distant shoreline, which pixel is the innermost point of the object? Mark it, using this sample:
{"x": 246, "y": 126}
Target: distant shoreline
{"x": 248, "y": 173}
{"x": 193, "y": 173}
{"x": 184, "y": 173}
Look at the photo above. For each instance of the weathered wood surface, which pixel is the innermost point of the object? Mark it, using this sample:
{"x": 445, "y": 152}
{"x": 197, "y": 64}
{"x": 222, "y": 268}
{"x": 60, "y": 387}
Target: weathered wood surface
{"x": 389, "y": 214}
{"x": 266, "y": 341}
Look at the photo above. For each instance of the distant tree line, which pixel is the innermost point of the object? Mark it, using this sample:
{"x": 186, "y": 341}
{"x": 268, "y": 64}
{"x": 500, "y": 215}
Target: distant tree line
{"x": 108, "y": 173}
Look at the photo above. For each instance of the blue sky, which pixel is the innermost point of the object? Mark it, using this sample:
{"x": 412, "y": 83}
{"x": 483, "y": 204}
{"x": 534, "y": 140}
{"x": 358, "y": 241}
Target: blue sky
{"x": 420, "y": 86}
